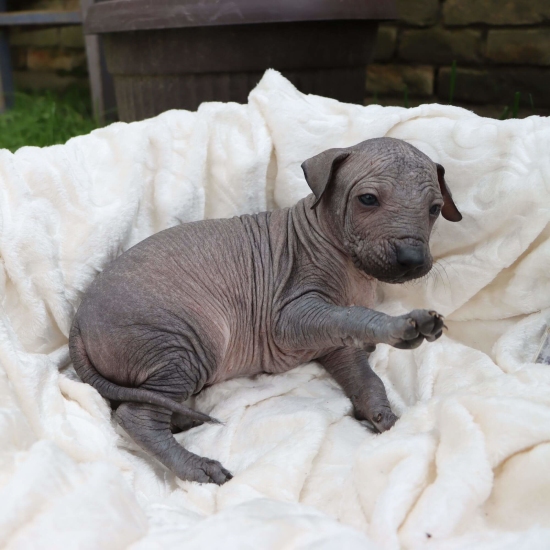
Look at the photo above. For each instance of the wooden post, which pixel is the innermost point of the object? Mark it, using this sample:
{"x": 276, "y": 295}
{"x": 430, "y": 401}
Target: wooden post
{"x": 6, "y": 78}
{"x": 101, "y": 82}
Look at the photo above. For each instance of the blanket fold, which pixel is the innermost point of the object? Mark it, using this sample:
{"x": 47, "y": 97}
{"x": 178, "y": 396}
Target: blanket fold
{"x": 465, "y": 467}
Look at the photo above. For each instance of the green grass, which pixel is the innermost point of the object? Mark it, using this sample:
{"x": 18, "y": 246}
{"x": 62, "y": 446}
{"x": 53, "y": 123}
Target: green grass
{"x": 46, "y": 118}
{"x": 406, "y": 96}
{"x": 452, "y": 84}
{"x": 515, "y": 107}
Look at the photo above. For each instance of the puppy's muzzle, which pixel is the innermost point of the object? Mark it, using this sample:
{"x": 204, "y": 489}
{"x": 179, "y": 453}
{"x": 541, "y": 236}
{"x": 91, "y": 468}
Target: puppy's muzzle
{"x": 411, "y": 258}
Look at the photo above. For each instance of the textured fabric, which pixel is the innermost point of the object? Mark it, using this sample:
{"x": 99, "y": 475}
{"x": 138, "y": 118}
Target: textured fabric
{"x": 465, "y": 467}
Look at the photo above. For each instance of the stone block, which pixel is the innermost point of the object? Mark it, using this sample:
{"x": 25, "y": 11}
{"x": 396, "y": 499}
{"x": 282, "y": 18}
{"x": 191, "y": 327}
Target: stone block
{"x": 520, "y": 46}
{"x": 418, "y": 12}
{"x": 71, "y": 37}
{"x": 395, "y": 101}
{"x": 495, "y": 111}
{"x": 72, "y": 4}
{"x": 18, "y": 58}
{"x": 392, "y": 79}
{"x": 54, "y": 59}
{"x": 43, "y": 5}
{"x": 385, "y": 43}
{"x": 496, "y": 86}
{"x": 37, "y": 80}
{"x": 41, "y": 38}
{"x": 437, "y": 45}
{"x": 496, "y": 12}
{"x": 488, "y": 111}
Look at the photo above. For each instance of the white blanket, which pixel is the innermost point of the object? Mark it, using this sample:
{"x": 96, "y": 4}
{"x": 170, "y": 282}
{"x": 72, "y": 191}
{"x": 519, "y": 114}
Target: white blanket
{"x": 467, "y": 464}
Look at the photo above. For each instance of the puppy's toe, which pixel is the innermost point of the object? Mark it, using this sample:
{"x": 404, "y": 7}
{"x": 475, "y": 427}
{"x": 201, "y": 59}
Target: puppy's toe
{"x": 429, "y": 322}
{"x": 406, "y": 328}
{"x": 216, "y": 472}
{"x": 384, "y": 420}
{"x": 434, "y": 337}
{"x": 207, "y": 470}
{"x": 438, "y": 323}
{"x": 410, "y": 344}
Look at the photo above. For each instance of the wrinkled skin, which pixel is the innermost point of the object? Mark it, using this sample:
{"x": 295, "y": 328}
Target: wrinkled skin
{"x": 217, "y": 299}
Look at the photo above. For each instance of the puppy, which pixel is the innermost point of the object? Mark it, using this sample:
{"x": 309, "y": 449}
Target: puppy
{"x": 212, "y": 300}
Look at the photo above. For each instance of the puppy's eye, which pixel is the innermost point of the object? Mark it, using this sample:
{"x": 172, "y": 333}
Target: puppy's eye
{"x": 435, "y": 210}
{"x": 369, "y": 200}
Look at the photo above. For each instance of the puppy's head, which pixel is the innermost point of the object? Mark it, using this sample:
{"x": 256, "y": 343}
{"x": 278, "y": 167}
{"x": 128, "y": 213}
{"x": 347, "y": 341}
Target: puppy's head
{"x": 380, "y": 199}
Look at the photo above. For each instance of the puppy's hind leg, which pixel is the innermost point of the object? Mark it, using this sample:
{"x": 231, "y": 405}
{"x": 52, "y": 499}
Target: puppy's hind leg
{"x": 149, "y": 427}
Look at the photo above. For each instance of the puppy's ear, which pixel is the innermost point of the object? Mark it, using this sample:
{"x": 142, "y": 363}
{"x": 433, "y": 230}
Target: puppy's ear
{"x": 320, "y": 169}
{"x": 450, "y": 211}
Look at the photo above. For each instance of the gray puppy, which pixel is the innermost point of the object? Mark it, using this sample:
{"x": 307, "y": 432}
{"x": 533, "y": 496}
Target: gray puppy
{"x": 212, "y": 300}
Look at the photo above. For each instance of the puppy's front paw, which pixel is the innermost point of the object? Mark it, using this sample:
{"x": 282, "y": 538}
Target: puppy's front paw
{"x": 410, "y": 330}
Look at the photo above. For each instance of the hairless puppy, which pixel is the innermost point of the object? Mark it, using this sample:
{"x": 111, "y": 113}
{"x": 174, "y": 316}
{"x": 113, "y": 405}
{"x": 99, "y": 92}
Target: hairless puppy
{"x": 212, "y": 300}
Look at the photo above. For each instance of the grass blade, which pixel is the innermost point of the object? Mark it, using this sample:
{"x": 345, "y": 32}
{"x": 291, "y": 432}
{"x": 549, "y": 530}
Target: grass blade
{"x": 515, "y": 107}
{"x": 452, "y": 83}
{"x": 504, "y": 114}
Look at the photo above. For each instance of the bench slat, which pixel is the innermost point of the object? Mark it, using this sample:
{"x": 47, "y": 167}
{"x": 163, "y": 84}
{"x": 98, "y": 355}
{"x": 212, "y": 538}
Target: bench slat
{"x": 13, "y": 18}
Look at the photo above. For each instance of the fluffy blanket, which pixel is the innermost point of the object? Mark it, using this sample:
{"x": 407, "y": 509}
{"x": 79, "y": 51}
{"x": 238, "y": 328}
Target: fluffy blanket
{"x": 466, "y": 466}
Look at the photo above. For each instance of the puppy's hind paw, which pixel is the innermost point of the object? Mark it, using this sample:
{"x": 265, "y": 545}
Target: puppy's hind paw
{"x": 384, "y": 420}
{"x": 206, "y": 470}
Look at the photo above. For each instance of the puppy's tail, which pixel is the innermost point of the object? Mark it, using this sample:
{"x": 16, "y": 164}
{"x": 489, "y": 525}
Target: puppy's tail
{"x": 114, "y": 392}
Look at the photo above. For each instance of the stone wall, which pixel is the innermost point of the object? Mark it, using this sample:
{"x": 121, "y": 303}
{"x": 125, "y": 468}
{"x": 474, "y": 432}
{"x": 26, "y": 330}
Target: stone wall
{"x": 500, "y": 47}
{"x": 47, "y": 58}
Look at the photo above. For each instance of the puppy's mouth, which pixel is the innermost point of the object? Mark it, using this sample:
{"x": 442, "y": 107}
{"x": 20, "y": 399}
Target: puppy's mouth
{"x": 399, "y": 268}
{"x": 401, "y": 278}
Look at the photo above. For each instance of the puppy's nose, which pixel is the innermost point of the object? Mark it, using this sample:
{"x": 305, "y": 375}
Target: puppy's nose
{"x": 410, "y": 257}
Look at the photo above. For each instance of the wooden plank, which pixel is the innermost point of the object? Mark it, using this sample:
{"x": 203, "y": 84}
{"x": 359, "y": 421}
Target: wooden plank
{"x": 6, "y": 78}
{"x": 101, "y": 82}
{"x": 14, "y": 18}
